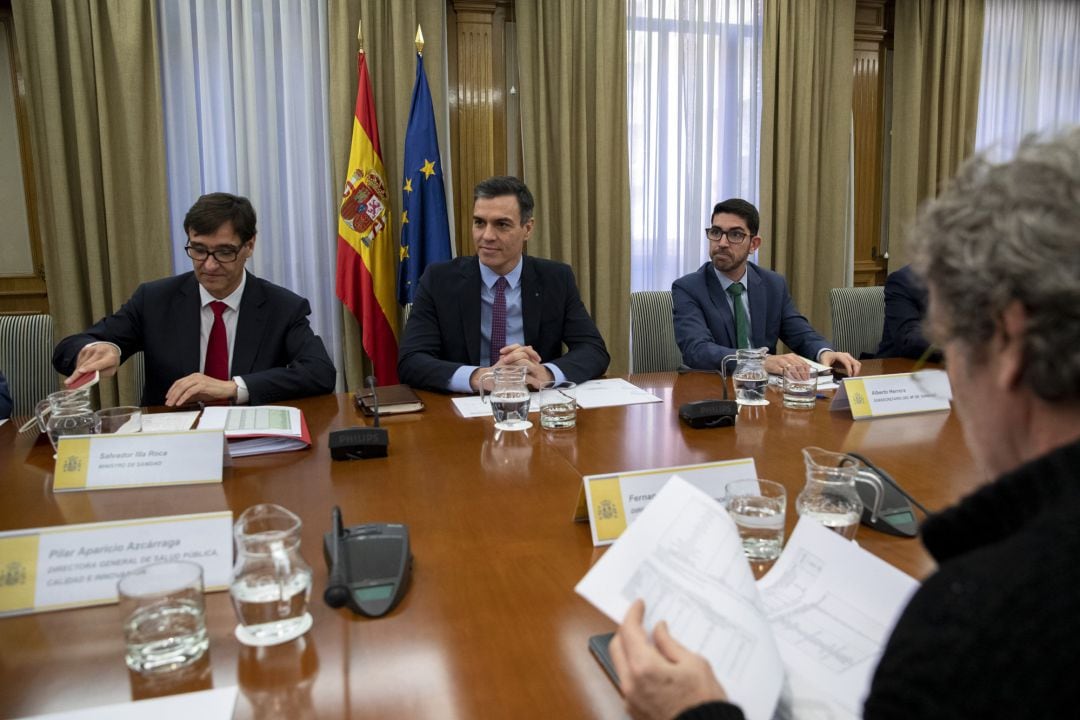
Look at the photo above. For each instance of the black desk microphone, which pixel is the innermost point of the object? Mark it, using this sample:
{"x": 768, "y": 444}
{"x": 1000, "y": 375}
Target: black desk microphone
{"x": 359, "y": 443}
{"x": 709, "y": 413}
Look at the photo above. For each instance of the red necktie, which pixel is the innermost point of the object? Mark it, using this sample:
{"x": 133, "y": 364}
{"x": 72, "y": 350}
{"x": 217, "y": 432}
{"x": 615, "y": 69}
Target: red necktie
{"x": 498, "y": 319}
{"x": 217, "y": 347}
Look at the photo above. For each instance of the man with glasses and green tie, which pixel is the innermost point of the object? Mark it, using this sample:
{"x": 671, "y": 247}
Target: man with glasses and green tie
{"x": 216, "y": 334}
{"x": 731, "y": 303}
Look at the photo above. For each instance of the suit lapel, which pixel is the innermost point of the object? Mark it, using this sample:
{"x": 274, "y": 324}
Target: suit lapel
{"x": 719, "y": 301}
{"x": 188, "y": 318}
{"x": 469, "y": 293}
{"x": 532, "y": 299}
{"x": 759, "y": 301}
{"x": 249, "y": 326}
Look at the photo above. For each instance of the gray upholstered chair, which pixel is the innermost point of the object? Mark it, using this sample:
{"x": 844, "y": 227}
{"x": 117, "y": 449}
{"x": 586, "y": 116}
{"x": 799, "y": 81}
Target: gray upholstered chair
{"x": 26, "y": 345}
{"x": 858, "y": 316}
{"x": 652, "y": 333}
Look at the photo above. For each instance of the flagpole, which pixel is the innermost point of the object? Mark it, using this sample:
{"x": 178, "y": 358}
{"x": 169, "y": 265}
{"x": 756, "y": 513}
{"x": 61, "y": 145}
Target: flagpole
{"x": 419, "y": 41}
{"x": 360, "y": 35}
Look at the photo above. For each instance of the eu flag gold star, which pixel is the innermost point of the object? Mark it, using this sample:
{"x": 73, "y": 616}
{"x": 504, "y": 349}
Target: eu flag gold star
{"x": 428, "y": 169}
{"x": 408, "y": 185}
{"x": 404, "y": 217}
{"x": 404, "y": 252}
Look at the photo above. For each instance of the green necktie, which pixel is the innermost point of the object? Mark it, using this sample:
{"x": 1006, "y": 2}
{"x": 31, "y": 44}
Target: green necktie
{"x": 735, "y": 290}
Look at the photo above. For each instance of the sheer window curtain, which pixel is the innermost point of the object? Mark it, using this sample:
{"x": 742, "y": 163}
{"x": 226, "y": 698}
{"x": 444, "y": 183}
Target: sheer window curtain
{"x": 694, "y": 87}
{"x": 1030, "y": 72}
{"x": 245, "y": 85}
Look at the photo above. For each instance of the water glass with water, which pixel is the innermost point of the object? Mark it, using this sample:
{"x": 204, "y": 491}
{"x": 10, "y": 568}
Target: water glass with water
{"x": 164, "y": 616}
{"x": 800, "y": 387}
{"x": 558, "y": 405}
{"x": 758, "y": 508}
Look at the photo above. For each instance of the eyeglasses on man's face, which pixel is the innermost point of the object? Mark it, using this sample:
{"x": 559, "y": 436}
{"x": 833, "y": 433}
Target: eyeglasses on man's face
{"x": 735, "y": 236}
{"x": 224, "y": 254}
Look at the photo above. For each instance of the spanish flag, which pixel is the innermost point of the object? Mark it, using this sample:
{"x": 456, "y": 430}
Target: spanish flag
{"x": 367, "y": 254}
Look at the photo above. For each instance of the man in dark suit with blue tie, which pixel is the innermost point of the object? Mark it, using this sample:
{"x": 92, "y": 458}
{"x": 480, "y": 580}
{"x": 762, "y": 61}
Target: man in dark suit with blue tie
{"x": 731, "y": 303}
{"x": 216, "y": 334}
{"x": 499, "y": 307}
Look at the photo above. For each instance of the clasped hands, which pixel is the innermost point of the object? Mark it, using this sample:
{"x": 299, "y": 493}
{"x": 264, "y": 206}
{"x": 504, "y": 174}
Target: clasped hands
{"x": 536, "y": 374}
{"x": 196, "y": 387}
{"x": 775, "y": 364}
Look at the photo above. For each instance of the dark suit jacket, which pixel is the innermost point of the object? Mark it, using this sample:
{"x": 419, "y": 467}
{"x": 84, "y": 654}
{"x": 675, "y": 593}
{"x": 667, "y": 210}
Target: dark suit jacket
{"x": 705, "y": 327}
{"x": 6, "y": 403}
{"x": 276, "y": 352}
{"x": 443, "y": 332}
{"x": 905, "y": 308}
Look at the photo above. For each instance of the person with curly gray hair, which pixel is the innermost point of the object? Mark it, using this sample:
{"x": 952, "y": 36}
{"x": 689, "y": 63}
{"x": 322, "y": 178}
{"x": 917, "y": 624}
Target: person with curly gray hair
{"x": 994, "y": 632}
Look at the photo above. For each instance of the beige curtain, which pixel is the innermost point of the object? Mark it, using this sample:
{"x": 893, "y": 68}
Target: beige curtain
{"x": 808, "y": 56}
{"x": 572, "y": 77}
{"x": 98, "y": 147}
{"x": 389, "y": 29}
{"x": 935, "y": 100}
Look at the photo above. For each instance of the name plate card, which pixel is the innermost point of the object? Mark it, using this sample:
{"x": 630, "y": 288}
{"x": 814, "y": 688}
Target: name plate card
{"x": 889, "y": 395}
{"x": 615, "y": 500}
{"x": 67, "y": 566}
{"x": 97, "y": 462}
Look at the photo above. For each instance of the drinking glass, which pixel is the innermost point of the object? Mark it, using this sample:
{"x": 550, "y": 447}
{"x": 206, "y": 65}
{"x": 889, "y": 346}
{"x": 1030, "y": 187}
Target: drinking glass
{"x": 800, "y": 388}
{"x": 122, "y": 419}
{"x": 558, "y": 405}
{"x": 758, "y": 508}
{"x": 164, "y": 616}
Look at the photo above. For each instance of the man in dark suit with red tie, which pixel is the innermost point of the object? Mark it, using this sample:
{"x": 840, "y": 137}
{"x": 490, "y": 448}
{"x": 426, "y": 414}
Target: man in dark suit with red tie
{"x": 216, "y": 334}
{"x": 499, "y": 307}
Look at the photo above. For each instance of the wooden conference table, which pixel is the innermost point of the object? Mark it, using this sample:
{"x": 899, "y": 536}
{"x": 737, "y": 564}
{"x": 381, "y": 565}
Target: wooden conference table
{"x": 491, "y": 626}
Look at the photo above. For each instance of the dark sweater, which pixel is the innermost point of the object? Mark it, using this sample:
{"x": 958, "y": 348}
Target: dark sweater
{"x": 996, "y": 631}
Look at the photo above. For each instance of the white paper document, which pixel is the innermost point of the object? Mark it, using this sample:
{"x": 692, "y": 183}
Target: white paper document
{"x": 803, "y": 642}
{"x": 216, "y": 704}
{"x": 168, "y": 422}
{"x": 592, "y": 394}
{"x": 259, "y": 429}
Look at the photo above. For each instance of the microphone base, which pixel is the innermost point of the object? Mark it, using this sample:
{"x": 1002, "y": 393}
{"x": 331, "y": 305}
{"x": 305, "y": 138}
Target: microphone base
{"x": 359, "y": 443}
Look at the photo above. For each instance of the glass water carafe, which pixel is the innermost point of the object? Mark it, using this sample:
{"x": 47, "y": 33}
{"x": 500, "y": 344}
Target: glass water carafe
{"x": 271, "y": 583}
{"x": 830, "y": 496}
{"x": 749, "y": 378}
{"x": 509, "y": 396}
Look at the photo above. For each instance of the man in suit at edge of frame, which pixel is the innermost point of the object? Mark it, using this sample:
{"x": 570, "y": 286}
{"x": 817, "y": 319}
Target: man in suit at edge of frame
{"x": 216, "y": 334}
{"x": 730, "y": 303}
{"x": 994, "y": 632}
{"x": 454, "y": 334}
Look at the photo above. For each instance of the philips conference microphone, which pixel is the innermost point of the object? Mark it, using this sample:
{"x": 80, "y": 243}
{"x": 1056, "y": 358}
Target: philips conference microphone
{"x": 709, "y": 413}
{"x": 360, "y": 443}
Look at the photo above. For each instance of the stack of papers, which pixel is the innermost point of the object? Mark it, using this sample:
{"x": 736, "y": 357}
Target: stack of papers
{"x": 806, "y": 638}
{"x": 258, "y": 430}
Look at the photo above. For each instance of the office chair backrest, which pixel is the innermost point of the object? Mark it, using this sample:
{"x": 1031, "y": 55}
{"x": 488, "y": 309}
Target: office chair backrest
{"x": 652, "y": 333}
{"x": 26, "y": 345}
{"x": 858, "y": 316}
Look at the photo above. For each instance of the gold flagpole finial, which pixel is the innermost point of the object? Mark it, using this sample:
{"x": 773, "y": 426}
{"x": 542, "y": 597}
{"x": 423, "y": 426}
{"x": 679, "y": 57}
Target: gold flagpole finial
{"x": 419, "y": 40}
{"x": 360, "y": 34}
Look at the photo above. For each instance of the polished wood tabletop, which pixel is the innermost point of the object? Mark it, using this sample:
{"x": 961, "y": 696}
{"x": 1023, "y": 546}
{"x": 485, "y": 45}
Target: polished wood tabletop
{"x": 490, "y": 626}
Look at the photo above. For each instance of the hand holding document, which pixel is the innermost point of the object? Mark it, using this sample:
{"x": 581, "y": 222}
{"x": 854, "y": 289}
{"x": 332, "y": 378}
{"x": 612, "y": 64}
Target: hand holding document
{"x": 806, "y": 638}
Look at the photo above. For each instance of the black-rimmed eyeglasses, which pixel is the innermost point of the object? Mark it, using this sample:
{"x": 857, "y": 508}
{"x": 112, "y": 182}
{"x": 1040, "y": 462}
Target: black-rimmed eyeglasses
{"x": 225, "y": 254}
{"x": 735, "y": 236}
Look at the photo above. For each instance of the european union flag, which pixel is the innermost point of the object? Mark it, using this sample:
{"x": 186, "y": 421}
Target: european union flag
{"x": 425, "y": 230}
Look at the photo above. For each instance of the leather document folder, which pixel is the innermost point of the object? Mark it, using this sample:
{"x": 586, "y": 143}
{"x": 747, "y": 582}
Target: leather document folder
{"x": 393, "y": 399}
